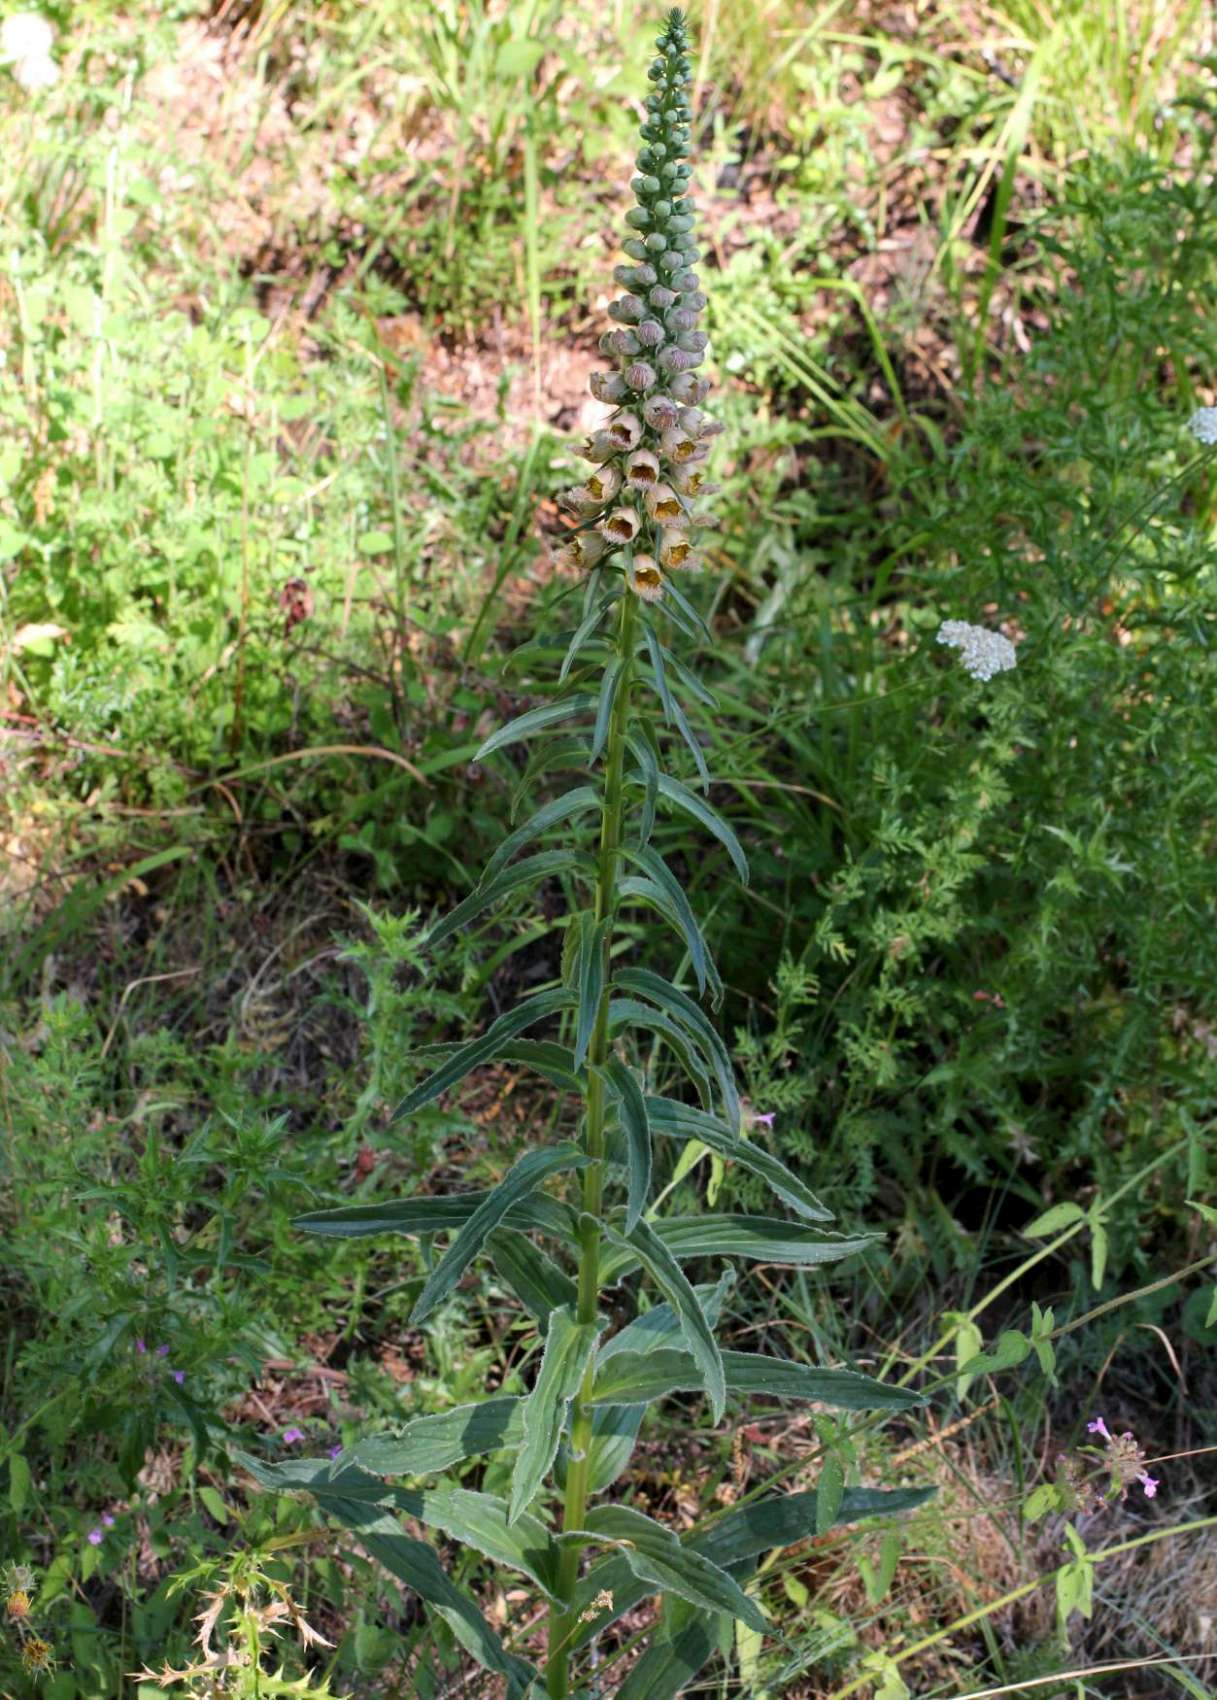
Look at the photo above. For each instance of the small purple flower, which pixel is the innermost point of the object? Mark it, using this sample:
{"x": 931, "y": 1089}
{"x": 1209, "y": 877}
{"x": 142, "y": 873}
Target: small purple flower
{"x": 292, "y": 1435}
{"x": 141, "y": 1347}
{"x": 162, "y": 1351}
{"x": 95, "y": 1537}
{"x": 107, "y": 1519}
{"x": 1149, "y": 1483}
{"x": 766, "y": 1120}
{"x": 336, "y": 1451}
{"x": 179, "y": 1375}
{"x": 1098, "y": 1426}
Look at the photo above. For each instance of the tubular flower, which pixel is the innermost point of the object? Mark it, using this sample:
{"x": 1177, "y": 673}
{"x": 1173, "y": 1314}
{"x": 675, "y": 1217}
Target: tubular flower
{"x": 582, "y": 551}
{"x": 646, "y": 580}
{"x": 650, "y": 451}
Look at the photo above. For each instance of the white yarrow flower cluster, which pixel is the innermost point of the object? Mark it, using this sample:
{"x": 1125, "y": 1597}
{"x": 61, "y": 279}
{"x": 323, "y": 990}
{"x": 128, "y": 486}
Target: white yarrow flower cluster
{"x": 983, "y": 652}
{"x": 25, "y": 44}
{"x": 1203, "y": 425}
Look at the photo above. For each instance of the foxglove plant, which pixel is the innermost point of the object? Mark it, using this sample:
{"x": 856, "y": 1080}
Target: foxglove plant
{"x": 574, "y": 1218}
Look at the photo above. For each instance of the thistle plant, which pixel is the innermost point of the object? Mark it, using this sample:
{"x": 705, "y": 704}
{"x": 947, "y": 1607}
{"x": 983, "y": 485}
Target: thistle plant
{"x": 573, "y": 1219}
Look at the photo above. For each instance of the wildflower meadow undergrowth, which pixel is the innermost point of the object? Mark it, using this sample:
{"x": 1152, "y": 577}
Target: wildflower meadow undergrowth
{"x": 623, "y": 694}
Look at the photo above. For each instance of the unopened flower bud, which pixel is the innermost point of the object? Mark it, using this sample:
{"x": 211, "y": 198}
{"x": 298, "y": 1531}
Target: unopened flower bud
{"x": 648, "y": 335}
{"x": 662, "y": 210}
{"x": 671, "y": 260}
{"x": 628, "y": 309}
{"x": 646, "y": 580}
{"x": 608, "y": 387}
{"x": 582, "y": 551}
{"x": 694, "y": 342}
{"x": 639, "y": 376}
{"x": 693, "y": 421}
{"x": 661, "y": 296}
{"x": 624, "y": 343}
{"x": 621, "y": 526}
{"x": 639, "y": 217}
{"x": 677, "y": 446}
{"x": 660, "y": 412}
{"x": 663, "y": 504}
{"x": 580, "y": 500}
{"x": 625, "y": 430}
{"x": 599, "y": 447}
{"x": 686, "y": 388}
{"x": 604, "y": 484}
{"x": 635, "y": 247}
{"x": 680, "y": 319}
{"x": 675, "y": 359}
{"x": 642, "y": 469}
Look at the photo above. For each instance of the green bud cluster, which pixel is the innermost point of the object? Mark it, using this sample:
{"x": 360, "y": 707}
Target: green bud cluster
{"x": 651, "y": 454}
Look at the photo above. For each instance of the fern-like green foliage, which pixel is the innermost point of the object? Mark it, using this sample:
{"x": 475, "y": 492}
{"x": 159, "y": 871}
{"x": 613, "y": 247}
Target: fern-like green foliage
{"x": 575, "y": 1217}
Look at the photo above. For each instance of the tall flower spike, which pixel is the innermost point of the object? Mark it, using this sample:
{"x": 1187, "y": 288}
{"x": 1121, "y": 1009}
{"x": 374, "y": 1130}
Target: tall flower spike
{"x": 650, "y": 452}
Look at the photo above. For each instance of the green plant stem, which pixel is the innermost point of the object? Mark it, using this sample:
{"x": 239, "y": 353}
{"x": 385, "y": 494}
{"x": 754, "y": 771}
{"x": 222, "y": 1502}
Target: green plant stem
{"x": 562, "y": 1620}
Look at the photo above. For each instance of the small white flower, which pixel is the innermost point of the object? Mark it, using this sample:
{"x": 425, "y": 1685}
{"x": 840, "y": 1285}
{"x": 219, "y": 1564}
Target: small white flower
{"x": 25, "y": 36}
{"x": 1203, "y": 425}
{"x": 983, "y": 652}
{"x": 35, "y": 74}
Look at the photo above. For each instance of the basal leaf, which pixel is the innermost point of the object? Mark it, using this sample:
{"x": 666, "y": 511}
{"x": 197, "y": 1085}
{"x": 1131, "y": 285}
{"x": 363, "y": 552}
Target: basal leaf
{"x": 433, "y": 1443}
{"x": 530, "y": 871}
{"x": 536, "y": 720}
{"x": 643, "y": 1245}
{"x": 683, "y": 1121}
{"x": 469, "y": 1056}
{"x": 568, "y": 1347}
{"x": 631, "y": 1107}
{"x": 657, "y": 1556}
{"x": 525, "y": 1176}
{"x": 576, "y": 801}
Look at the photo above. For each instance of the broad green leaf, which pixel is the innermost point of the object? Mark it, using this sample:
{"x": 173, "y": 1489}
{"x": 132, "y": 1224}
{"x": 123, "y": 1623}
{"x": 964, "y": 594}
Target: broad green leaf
{"x": 555, "y": 1062}
{"x": 659, "y": 1328}
{"x": 530, "y": 871}
{"x": 535, "y": 1279}
{"x": 480, "y": 1520}
{"x": 604, "y": 707}
{"x": 675, "y": 1003}
{"x": 740, "y": 1534}
{"x": 525, "y": 1176}
{"x": 654, "y": 866}
{"x": 582, "y": 632}
{"x": 568, "y": 1348}
{"x": 683, "y": 1121}
{"x": 476, "y": 1051}
{"x": 614, "y": 1436}
{"x": 630, "y": 1377}
{"x": 762, "y": 1238}
{"x": 361, "y": 1502}
{"x": 576, "y": 801}
{"x": 631, "y": 1107}
{"x": 440, "y": 1215}
{"x": 644, "y": 1245}
{"x": 589, "y": 981}
{"x": 1010, "y": 1350}
{"x": 692, "y": 804}
{"x": 635, "y": 888}
{"x": 629, "y": 1014}
{"x": 657, "y": 1555}
{"x": 1052, "y": 1221}
{"x": 667, "y": 1667}
{"x": 433, "y": 1443}
{"x": 536, "y": 720}
{"x": 830, "y": 1490}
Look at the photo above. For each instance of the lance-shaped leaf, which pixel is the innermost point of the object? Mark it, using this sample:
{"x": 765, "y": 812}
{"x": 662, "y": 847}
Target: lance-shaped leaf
{"x": 362, "y": 1502}
{"x": 668, "y": 1666}
{"x": 568, "y": 1348}
{"x": 692, "y": 804}
{"x": 571, "y": 803}
{"x": 680, "y": 1007}
{"x": 628, "y": 1377}
{"x": 690, "y": 681}
{"x": 440, "y": 1215}
{"x": 469, "y": 1056}
{"x": 604, "y": 706}
{"x": 629, "y": 1014}
{"x": 689, "y": 611}
{"x": 480, "y": 1520}
{"x": 582, "y": 632}
{"x": 556, "y": 1063}
{"x": 589, "y": 981}
{"x": 637, "y": 889}
{"x": 764, "y": 1239}
{"x": 695, "y": 750}
{"x": 525, "y": 1176}
{"x": 656, "y": 652}
{"x": 530, "y": 871}
{"x": 631, "y": 1107}
{"x": 433, "y": 1443}
{"x": 648, "y": 777}
{"x": 741, "y": 1534}
{"x": 655, "y": 868}
{"x": 656, "y": 1555}
{"x": 643, "y": 1245}
{"x": 683, "y": 1121}
{"x": 659, "y": 1329}
{"x": 536, "y": 720}
{"x": 535, "y": 1279}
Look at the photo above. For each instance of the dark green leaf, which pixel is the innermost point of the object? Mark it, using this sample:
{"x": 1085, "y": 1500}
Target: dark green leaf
{"x": 667, "y": 1667}
{"x": 764, "y": 1239}
{"x": 536, "y": 720}
{"x": 555, "y": 1062}
{"x": 430, "y": 1444}
{"x": 604, "y": 707}
{"x": 535, "y": 1279}
{"x": 628, "y": 1377}
{"x": 589, "y": 980}
{"x": 424, "y": 1215}
{"x": 689, "y": 611}
{"x": 677, "y": 1004}
{"x": 830, "y": 1490}
{"x": 643, "y": 1244}
{"x": 568, "y": 1348}
{"x": 631, "y": 1014}
{"x": 654, "y": 866}
{"x": 656, "y": 1555}
{"x": 637, "y": 889}
{"x": 525, "y": 1176}
{"x": 583, "y": 631}
{"x": 686, "y": 732}
{"x": 573, "y": 802}
{"x": 530, "y": 871}
{"x": 631, "y": 1107}
{"x": 683, "y": 1121}
{"x": 468, "y": 1056}
{"x": 690, "y": 681}
{"x": 648, "y": 777}
{"x": 692, "y": 804}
